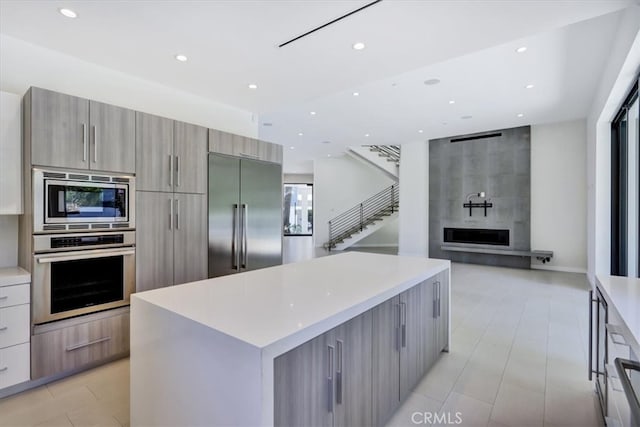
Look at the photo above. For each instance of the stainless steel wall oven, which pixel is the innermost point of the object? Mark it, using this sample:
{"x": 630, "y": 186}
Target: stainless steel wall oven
{"x": 80, "y": 273}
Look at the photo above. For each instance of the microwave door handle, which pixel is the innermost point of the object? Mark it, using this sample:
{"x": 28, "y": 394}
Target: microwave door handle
{"x": 84, "y": 255}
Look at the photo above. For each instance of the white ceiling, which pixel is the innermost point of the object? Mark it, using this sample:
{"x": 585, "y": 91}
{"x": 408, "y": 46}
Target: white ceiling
{"x": 468, "y": 45}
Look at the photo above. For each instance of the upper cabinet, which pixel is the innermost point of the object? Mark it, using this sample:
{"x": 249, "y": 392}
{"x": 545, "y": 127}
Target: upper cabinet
{"x": 71, "y": 132}
{"x": 242, "y": 146}
{"x": 171, "y": 156}
{"x": 10, "y": 155}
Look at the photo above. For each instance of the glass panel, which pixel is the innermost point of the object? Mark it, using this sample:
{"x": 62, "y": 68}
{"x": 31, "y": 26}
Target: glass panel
{"x": 298, "y": 209}
{"x": 632, "y": 190}
{"x": 86, "y": 282}
{"x": 71, "y": 201}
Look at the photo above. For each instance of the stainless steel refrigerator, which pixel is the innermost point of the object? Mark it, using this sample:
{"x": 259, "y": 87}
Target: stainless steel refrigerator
{"x": 245, "y": 214}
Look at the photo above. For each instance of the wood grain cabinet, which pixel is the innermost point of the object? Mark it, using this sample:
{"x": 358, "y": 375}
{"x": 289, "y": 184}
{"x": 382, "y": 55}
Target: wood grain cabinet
{"x": 171, "y": 243}
{"x": 72, "y": 132}
{"x": 242, "y": 146}
{"x": 78, "y": 342}
{"x": 171, "y": 156}
{"x": 327, "y": 381}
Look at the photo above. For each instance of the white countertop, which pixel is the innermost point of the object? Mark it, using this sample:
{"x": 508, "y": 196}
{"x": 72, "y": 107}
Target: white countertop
{"x": 14, "y": 276}
{"x": 624, "y": 294}
{"x": 264, "y": 306}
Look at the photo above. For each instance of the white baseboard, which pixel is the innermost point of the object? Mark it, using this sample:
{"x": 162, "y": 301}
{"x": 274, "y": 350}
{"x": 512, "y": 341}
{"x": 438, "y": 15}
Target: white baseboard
{"x": 558, "y": 268}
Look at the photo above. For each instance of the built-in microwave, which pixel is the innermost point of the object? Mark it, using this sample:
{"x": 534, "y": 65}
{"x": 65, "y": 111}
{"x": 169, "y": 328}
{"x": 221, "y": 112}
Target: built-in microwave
{"x": 76, "y": 201}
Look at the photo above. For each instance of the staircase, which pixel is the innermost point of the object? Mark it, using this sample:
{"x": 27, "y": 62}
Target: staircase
{"x": 384, "y": 157}
{"x": 363, "y": 219}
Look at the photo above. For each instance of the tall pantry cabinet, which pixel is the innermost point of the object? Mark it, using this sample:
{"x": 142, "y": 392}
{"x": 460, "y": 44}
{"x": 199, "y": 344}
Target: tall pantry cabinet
{"x": 171, "y": 183}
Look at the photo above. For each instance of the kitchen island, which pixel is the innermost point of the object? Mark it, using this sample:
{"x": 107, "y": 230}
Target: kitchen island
{"x": 288, "y": 344}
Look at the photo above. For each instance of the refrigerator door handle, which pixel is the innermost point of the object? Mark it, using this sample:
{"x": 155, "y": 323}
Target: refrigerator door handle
{"x": 245, "y": 213}
{"x": 234, "y": 239}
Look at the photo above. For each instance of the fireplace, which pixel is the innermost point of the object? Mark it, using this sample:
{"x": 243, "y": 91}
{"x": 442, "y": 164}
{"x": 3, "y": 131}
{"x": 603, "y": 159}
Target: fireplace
{"x": 478, "y": 236}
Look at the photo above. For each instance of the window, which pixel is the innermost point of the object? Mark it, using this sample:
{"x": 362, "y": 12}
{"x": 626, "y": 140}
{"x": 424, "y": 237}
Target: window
{"x": 625, "y": 188}
{"x": 298, "y": 209}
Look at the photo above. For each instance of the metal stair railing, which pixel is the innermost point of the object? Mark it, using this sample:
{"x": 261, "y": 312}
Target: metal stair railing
{"x": 391, "y": 152}
{"x": 363, "y": 214}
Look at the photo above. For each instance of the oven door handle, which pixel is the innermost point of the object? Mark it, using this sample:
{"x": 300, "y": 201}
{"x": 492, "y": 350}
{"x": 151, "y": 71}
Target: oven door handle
{"x": 83, "y": 255}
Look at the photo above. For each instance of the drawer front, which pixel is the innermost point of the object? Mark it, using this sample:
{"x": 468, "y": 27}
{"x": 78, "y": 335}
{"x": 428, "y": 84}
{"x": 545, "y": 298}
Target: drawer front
{"x": 14, "y": 295}
{"x": 14, "y": 365}
{"x": 75, "y": 346}
{"x": 14, "y": 325}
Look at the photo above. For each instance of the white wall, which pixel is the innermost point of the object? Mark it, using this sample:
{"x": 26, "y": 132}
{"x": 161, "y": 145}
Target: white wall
{"x": 559, "y": 194}
{"x": 620, "y": 71}
{"x": 339, "y": 184}
{"x": 8, "y": 240}
{"x": 413, "y": 227}
{"x": 23, "y": 64}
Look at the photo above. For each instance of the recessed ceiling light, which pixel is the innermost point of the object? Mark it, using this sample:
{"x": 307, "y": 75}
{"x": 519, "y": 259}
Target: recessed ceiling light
{"x": 253, "y": 86}
{"x": 267, "y": 124}
{"x": 466, "y": 117}
{"x": 313, "y": 113}
{"x": 529, "y": 86}
{"x": 181, "y": 58}
{"x": 366, "y": 135}
{"x": 292, "y": 148}
{"x": 68, "y": 13}
{"x": 358, "y": 46}
{"x": 328, "y": 155}
{"x": 452, "y": 102}
{"x": 356, "y": 94}
{"x": 521, "y": 49}
{"x": 326, "y": 142}
{"x": 300, "y": 133}
{"x": 420, "y": 131}
{"x": 432, "y": 82}
{"x": 520, "y": 114}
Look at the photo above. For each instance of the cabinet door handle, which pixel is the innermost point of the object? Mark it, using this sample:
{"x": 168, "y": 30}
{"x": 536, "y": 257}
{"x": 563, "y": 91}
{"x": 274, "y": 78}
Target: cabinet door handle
{"x": 439, "y": 295}
{"x": 6, "y": 368}
{"x": 403, "y": 314}
{"x": 84, "y": 142}
{"x": 87, "y": 344}
{"x": 4, "y": 297}
{"x": 339, "y": 373}
{"x": 177, "y": 171}
{"x": 330, "y": 378}
{"x": 170, "y": 171}
{"x": 170, "y": 214}
{"x": 4, "y": 328}
{"x": 435, "y": 300}
{"x": 398, "y": 327}
{"x": 177, "y": 214}
{"x": 95, "y": 145}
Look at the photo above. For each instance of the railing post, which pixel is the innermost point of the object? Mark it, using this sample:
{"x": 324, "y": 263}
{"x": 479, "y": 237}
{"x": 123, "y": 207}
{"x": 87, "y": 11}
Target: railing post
{"x": 361, "y": 217}
{"x": 392, "y": 201}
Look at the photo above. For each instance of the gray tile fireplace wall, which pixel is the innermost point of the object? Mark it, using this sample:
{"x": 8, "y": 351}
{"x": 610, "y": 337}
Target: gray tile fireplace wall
{"x": 497, "y": 163}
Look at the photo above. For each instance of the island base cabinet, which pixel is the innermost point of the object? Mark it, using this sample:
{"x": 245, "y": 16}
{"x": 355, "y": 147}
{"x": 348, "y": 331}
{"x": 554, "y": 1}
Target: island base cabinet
{"x": 327, "y": 381}
{"x": 386, "y": 360}
{"x": 77, "y": 345}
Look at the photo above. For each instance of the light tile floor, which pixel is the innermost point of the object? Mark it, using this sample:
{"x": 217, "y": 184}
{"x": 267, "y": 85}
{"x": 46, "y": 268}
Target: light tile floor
{"x": 518, "y": 358}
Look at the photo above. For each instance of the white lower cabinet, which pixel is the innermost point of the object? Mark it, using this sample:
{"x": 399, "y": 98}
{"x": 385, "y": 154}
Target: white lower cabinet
{"x": 15, "y": 323}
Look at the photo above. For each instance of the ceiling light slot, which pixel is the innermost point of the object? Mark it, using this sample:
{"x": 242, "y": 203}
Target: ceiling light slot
{"x": 329, "y": 23}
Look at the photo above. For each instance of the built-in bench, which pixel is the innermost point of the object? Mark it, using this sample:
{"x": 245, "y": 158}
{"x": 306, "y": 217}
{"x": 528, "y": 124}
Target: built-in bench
{"x": 544, "y": 256}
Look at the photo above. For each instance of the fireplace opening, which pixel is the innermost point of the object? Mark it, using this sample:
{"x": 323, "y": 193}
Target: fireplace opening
{"x": 478, "y": 236}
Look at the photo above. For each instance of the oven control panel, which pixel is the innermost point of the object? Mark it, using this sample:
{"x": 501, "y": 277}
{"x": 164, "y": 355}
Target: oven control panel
{"x": 78, "y": 241}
